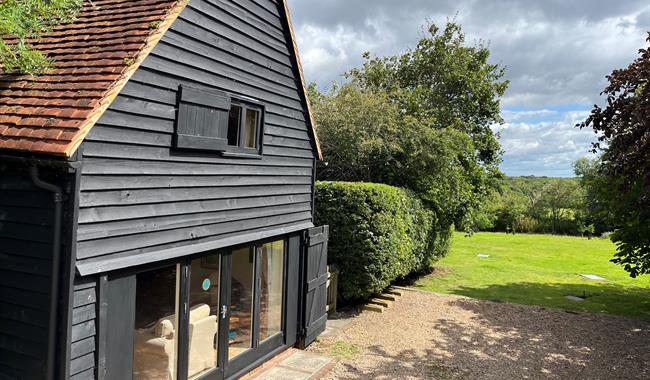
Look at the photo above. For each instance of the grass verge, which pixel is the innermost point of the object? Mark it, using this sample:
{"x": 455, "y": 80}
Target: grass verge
{"x": 540, "y": 270}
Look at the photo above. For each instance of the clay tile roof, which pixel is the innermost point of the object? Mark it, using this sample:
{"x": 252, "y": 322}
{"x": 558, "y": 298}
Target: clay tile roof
{"x": 94, "y": 56}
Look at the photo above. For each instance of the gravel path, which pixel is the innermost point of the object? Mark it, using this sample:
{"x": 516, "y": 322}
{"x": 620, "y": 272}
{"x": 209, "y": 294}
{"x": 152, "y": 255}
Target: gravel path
{"x": 434, "y": 336}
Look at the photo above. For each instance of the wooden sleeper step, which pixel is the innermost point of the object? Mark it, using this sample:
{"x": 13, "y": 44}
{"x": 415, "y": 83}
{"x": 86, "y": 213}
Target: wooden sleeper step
{"x": 381, "y": 302}
{"x": 373, "y": 307}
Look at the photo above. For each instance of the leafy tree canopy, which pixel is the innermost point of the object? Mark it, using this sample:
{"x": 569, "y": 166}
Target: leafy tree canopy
{"x": 21, "y": 20}
{"x": 420, "y": 120}
{"x": 623, "y": 127}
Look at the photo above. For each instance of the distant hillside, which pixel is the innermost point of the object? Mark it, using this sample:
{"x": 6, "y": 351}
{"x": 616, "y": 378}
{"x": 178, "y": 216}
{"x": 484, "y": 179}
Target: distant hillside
{"x": 528, "y": 185}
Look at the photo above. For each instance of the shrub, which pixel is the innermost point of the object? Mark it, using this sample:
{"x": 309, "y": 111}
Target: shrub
{"x": 378, "y": 233}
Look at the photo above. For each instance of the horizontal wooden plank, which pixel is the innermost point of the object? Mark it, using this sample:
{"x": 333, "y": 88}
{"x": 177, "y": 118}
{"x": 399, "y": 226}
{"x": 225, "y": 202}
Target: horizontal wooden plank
{"x": 139, "y": 152}
{"x": 126, "y": 197}
{"x": 195, "y": 71}
{"x": 143, "y": 107}
{"x": 88, "y": 374}
{"x": 216, "y": 10}
{"x": 282, "y": 140}
{"x": 24, "y": 298}
{"x": 105, "y": 214}
{"x": 280, "y": 156}
{"x": 81, "y": 284}
{"x": 203, "y": 16}
{"x": 82, "y": 331}
{"x": 274, "y": 130}
{"x": 106, "y": 133}
{"x": 141, "y": 226}
{"x": 25, "y": 264}
{"x": 29, "y": 248}
{"x": 92, "y": 248}
{"x": 23, "y": 231}
{"x": 23, "y": 331}
{"x": 82, "y": 347}
{"x": 34, "y": 216}
{"x": 152, "y": 254}
{"x": 125, "y": 182}
{"x": 109, "y": 166}
{"x": 25, "y": 281}
{"x": 148, "y": 91}
{"x": 237, "y": 49}
{"x": 229, "y": 65}
{"x": 248, "y": 16}
{"x": 170, "y": 74}
{"x": 260, "y": 12}
{"x": 22, "y": 346}
{"x": 25, "y": 314}
{"x": 83, "y": 313}
{"x": 143, "y": 122}
{"x": 28, "y": 199}
{"x": 82, "y": 364}
{"x": 84, "y": 297}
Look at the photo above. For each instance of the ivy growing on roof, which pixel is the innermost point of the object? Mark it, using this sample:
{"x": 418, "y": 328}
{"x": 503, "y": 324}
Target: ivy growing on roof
{"x": 22, "y": 20}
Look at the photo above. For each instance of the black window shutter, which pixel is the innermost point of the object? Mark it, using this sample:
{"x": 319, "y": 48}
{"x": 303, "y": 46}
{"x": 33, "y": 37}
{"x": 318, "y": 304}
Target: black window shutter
{"x": 202, "y": 119}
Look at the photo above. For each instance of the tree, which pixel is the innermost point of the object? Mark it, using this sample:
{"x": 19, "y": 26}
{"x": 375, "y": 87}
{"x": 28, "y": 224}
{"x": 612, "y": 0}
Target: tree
{"x": 623, "y": 129}
{"x": 591, "y": 210}
{"x": 555, "y": 203}
{"x": 22, "y": 20}
{"x": 420, "y": 120}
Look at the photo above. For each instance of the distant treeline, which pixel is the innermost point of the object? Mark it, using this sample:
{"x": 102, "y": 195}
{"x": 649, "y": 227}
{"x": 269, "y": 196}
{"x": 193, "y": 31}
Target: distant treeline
{"x": 539, "y": 205}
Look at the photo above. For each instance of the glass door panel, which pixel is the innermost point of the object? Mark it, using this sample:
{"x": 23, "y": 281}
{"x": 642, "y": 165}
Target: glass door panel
{"x": 240, "y": 334}
{"x": 156, "y": 321}
{"x": 204, "y": 309}
{"x": 271, "y": 276}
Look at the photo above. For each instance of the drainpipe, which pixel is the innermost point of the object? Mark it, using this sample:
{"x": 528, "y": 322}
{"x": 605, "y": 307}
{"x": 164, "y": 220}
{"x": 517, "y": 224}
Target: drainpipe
{"x": 56, "y": 259}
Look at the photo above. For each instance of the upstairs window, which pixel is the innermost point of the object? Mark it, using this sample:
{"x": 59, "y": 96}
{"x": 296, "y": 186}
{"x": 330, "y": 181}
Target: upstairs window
{"x": 212, "y": 120}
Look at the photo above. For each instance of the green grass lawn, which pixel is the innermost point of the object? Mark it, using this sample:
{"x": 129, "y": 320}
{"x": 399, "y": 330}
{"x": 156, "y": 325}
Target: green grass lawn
{"x": 540, "y": 270}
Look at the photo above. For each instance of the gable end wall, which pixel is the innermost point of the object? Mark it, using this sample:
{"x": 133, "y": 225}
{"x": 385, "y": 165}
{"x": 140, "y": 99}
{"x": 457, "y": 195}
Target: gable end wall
{"x": 138, "y": 195}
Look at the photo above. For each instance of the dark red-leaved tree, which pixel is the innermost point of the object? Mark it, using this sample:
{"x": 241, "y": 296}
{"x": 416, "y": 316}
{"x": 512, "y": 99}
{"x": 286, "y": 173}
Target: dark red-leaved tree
{"x": 623, "y": 127}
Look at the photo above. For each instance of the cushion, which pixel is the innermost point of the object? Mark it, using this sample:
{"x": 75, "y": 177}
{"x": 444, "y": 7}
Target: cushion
{"x": 199, "y": 312}
{"x": 164, "y": 329}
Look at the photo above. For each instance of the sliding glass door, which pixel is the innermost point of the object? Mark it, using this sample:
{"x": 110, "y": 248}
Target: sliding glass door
{"x": 256, "y": 303}
{"x": 209, "y": 316}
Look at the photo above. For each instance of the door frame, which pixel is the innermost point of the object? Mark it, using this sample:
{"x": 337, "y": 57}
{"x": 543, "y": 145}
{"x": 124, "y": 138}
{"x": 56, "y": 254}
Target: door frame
{"x": 259, "y": 349}
{"x": 253, "y": 357}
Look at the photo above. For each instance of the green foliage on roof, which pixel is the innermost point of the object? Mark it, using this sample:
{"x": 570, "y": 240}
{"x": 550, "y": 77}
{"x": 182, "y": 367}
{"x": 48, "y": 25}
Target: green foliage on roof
{"x": 23, "y": 20}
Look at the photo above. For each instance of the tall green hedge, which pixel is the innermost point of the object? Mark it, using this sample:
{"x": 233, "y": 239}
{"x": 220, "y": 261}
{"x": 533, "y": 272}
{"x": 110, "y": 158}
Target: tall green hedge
{"x": 378, "y": 233}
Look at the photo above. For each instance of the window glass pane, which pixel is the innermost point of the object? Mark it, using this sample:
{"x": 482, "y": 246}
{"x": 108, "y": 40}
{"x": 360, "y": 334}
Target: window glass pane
{"x": 155, "y": 342}
{"x": 240, "y": 335}
{"x": 204, "y": 315}
{"x": 233, "y": 125}
{"x": 272, "y": 274}
{"x": 252, "y": 117}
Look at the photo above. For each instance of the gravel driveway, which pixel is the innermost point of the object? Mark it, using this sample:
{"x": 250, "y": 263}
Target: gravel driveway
{"x": 434, "y": 336}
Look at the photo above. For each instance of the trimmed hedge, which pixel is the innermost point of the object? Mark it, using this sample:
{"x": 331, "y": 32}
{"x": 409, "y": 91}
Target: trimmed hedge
{"x": 378, "y": 233}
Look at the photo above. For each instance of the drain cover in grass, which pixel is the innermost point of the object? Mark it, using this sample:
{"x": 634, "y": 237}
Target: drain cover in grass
{"x": 593, "y": 277}
{"x": 483, "y": 255}
{"x": 574, "y": 298}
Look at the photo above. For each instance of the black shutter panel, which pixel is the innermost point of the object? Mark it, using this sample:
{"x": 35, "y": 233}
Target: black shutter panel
{"x": 202, "y": 119}
{"x": 315, "y": 286}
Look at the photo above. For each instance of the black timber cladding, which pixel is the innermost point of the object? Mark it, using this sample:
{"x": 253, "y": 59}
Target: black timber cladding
{"x": 84, "y": 330}
{"x": 26, "y": 231}
{"x": 139, "y": 195}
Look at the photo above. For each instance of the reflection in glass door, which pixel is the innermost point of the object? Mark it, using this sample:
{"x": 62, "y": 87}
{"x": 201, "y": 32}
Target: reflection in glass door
{"x": 155, "y": 340}
{"x": 204, "y": 309}
{"x": 240, "y": 333}
{"x": 271, "y": 276}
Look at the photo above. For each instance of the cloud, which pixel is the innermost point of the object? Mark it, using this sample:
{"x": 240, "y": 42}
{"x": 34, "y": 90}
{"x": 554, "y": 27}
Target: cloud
{"x": 544, "y": 147}
{"x": 556, "y": 51}
{"x": 557, "y": 54}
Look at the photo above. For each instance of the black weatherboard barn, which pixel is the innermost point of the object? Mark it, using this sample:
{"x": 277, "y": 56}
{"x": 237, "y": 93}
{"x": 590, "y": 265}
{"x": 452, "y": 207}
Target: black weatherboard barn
{"x": 156, "y": 196}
